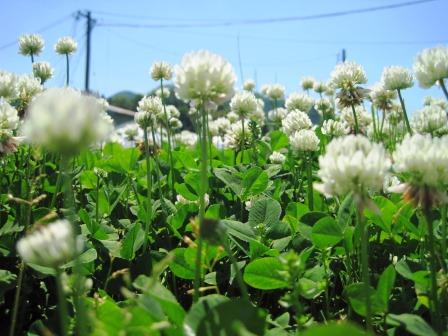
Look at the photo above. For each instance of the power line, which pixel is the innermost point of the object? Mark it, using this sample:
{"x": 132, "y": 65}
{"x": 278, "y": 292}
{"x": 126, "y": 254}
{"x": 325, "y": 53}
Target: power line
{"x": 41, "y": 30}
{"x": 143, "y": 44}
{"x": 143, "y": 17}
{"x": 307, "y": 41}
{"x": 227, "y": 23}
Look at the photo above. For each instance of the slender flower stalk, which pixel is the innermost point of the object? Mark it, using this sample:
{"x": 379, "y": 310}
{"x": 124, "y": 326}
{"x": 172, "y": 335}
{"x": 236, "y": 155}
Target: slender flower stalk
{"x": 443, "y": 244}
{"x": 17, "y": 295}
{"x": 443, "y": 86}
{"x": 309, "y": 175}
{"x": 149, "y": 188}
{"x": 405, "y": 115}
{"x": 69, "y": 204}
{"x": 243, "y": 140}
{"x": 202, "y": 192}
{"x": 355, "y": 118}
{"x": 365, "y": 264}
{"x": 62, "y": 303}
{"x": 67, "y": 64}
{"x": 168, "y": 131}
{"x": 435, "y": 305}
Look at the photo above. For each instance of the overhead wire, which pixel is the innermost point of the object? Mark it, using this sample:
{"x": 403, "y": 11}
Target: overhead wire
{"x": 271, "y": 20}
{"x": 40, "y": 30}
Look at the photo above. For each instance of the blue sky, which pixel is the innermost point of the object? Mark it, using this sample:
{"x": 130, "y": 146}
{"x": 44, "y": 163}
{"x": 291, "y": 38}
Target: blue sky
{"x": 278, "y": 52}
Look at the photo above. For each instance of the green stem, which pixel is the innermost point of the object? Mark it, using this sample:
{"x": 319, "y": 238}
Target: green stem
{"x": 97, "y": 208}
{"x": 443, "y": 86}
{"x": 57, "y": 187}
{"x": 78, "y": 289}
{"x": 309, "y": 175}
{"x": 203, "y": 190}
{"x": 372, "y": 110}
{"x": 365, "y": 266}
{"x": 355, "y": 117}
{"x": 243, "y": 140}
{"x": 405, "y": 115}
{"x": 62, "y": 303}
{"x": 238, "y": 275}
{"x": 210, "y": 148}
{"x": 435, "y": 307}
{"x": 157, "y": 168}
{"x": 444, "y": 237}
{"x": 383, "y": 118}
{"x": 327, "y": 282}
{"x": 67, "y": 81}
{"x": 15, "y": 309}
{"x": 149, "y": 187}
{"x": 168, "y": 131}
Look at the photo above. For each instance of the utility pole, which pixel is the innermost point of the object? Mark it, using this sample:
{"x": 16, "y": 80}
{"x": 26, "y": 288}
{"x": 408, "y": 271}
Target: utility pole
{"x": 89, "y": 26}
{"x": 343, "y": 55}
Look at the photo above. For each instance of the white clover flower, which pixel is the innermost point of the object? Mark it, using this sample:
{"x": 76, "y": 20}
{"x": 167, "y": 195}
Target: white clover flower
{"x": 381, "y": 97}
{"x": 264, "y": 89}
{"x": 9, "y": 118}
{"x": 277, "y": 157}
{"x": 424, "y": 158}
{"x": 352, "y": 164}
{"x": 234, "y": 136}
{"x": 148, "y": 109}
{"x": 258, "y": 115}
{"x": 307, "y": 83}
{"x": 49, "y": 246}
{"x": 324, "y": 107}
{"x": 27, "y": 86}
{"x": 275, "y": 91}
{"x": 436, "y": 101}
{"x": 296, "y": 121}
{"x": 172, "y": 111}
{"x": 63, "y": 120}
{"x": 161, "y": 70}
{"x": 232, "y": 116}
{"x": 347, "y": 75}
{"x": 277, "y": 115}
{"x": 187, "y": 138}
{"x": 203, "y": 76}
{"x": 43, "y": 71}
{"x": 431, "y": 66}
{"x": 244, "y": 103}
{"x": 66, "y": 46}
{"x": 329, "y": 89}
{"x": 397, "y": 78}
{"x": 131, "y": 132}
{"x": 166, "y": 93}
{"x": 219, "y": 126}
{"x": 7, "y": 85}
{"x": 305, "y": 140}
{"x": 334, "y": 128}
{"x": 299, "y": 101}
{"x": 175, "y": 123}
{"x": 249, "y": 85}
{"x": 31, "y": 44}
{"x": 430, "y": 119}
{"x": 364, "y": 118}
{"x": 319, "y": 87}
